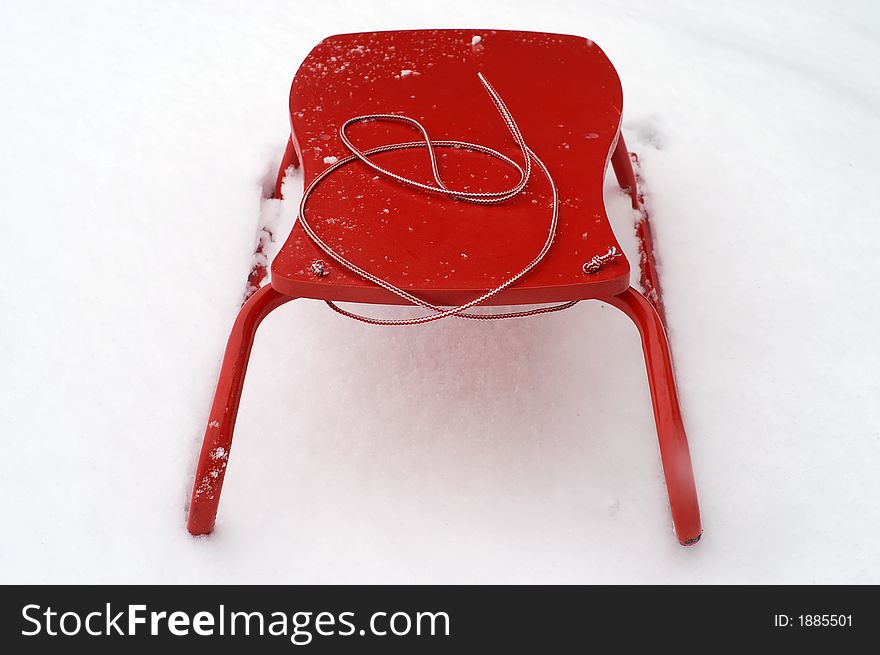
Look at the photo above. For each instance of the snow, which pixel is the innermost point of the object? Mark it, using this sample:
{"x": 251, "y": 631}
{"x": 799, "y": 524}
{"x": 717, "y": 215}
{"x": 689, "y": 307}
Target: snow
{"x": 138, "y": 145}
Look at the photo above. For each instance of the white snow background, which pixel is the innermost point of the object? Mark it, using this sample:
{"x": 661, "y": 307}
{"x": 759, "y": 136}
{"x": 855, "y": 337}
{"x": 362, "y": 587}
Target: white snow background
{"x": 137, "y": 142}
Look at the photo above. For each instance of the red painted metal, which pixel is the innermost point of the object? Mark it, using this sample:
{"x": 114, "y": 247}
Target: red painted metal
{"x": 567, "y": 99}
{"x": 290, "y": 159}
{"x": 627, "y": 169}
{"x": 260, "y": 268}
{"x": 221, "y": 421}
{"x": 667, "y": 414}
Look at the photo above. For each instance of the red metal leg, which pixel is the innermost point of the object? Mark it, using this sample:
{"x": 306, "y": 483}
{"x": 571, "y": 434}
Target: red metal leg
{"x": 221, "y": 422}
{"x": 289, "y": 159}
{"x": 667, "y": 415}
{"x": 629, "y": 180}
{"x": 623, "y": 170}
{"x": 260, "y": 267}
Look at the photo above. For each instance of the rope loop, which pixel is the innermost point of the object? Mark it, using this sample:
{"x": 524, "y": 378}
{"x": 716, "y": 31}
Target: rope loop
{"x": 441, "y": 188}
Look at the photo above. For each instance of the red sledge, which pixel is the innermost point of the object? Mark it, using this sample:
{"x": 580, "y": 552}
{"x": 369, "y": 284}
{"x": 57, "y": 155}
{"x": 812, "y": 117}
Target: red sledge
{"x": 391, "y": 215}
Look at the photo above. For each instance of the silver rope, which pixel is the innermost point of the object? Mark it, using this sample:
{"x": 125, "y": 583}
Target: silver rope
{"x": 485, "y": 198}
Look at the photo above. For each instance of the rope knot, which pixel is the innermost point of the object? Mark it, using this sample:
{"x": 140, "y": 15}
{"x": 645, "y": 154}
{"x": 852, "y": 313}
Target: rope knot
{"x": 598, "y": 262}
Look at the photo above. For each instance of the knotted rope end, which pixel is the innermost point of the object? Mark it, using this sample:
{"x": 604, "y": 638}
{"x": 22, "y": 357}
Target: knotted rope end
{"x": 598, "y": 262}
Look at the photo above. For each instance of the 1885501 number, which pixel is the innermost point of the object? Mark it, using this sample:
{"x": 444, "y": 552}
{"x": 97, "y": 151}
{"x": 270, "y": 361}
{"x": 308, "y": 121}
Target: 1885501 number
{"x": 813, "y": 620}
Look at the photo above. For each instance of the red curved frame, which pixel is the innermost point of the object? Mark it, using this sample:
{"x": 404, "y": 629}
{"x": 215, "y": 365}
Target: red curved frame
{"x": 645, "y": 310}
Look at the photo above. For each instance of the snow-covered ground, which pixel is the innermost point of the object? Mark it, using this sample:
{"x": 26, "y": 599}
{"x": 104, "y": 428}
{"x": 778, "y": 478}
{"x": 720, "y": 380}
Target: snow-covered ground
{"x": 137, "y": 142}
